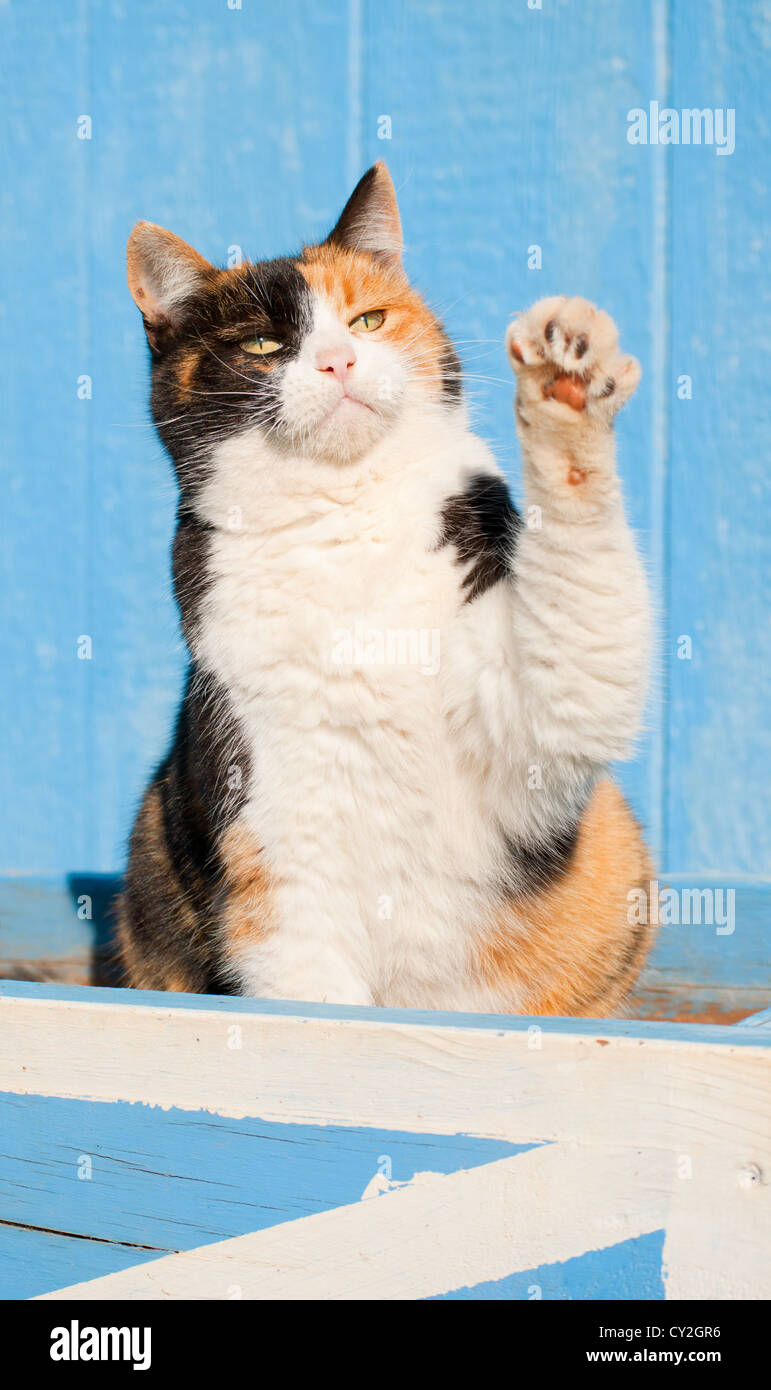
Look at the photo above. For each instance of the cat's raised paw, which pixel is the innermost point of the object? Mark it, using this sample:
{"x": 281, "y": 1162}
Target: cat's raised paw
{"x": 565, "y": 352}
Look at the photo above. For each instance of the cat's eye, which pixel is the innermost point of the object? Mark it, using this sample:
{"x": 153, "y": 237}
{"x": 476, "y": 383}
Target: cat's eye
{"x": 261, "y": 347}
{"x": 367, "y": 323}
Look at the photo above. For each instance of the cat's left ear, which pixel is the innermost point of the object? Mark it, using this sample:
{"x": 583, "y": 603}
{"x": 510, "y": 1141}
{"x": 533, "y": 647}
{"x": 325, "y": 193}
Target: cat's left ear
{"x": 370, "y": 219}
{"x": 164, "y": 275}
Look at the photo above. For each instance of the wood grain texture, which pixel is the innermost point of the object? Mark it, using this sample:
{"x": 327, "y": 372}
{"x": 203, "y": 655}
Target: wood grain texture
{"x": 520, "y": 1080}
{"x": 225, "y": 125}
{"x": 506, "y": 128}
{"x": 245, "y": 128}
{"x": 630, "y": 1129}
{"x": 452, "y": 1232}
{"x": 719, "y": 743}
{"x": 164, "y": 1180}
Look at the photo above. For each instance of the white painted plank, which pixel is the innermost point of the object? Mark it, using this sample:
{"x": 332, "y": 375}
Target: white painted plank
{"x": 668, "y": 1127}
{"x": 645, "y": 1092}
{"x": 719, "y": 1225}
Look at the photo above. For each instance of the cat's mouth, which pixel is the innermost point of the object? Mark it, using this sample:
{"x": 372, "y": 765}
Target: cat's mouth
{"x": 345, "y": 402}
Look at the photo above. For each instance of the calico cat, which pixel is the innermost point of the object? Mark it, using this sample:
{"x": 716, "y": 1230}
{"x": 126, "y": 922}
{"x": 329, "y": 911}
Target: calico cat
{"x": 387, "y": 781}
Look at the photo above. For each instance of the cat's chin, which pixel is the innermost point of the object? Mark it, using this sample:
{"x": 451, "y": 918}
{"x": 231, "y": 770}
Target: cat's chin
{"x": 348, "y": 432}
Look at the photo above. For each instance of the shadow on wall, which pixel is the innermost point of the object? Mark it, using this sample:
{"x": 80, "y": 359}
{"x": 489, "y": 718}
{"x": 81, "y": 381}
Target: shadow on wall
{"x": 99, "y": 892}
{"x": 61, "y": 930}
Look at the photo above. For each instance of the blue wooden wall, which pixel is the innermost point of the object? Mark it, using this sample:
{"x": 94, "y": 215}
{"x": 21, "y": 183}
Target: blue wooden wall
{"x": 246, "y": 127}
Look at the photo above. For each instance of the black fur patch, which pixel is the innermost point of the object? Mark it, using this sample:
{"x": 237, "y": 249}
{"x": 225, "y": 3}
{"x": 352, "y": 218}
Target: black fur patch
{"x": 452, "y": 374}
{"x": 209, "y": 761}
{"x": 347, "y": 229}
{"x": 533, "y": 867}
{"x": 190, "y": 556}
{"x": 483, "y": 524}
{"x": 228, "y": 388}
{"x": 170, "y": 902}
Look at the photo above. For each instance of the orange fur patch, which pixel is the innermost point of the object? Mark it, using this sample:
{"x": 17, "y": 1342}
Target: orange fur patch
{"x": 571, "y": 950}
{"x": 160, "y": 970}
{"x": 355, "y": 282}
{"x": 247, "y": 913}
{"x": 186, "y": 368}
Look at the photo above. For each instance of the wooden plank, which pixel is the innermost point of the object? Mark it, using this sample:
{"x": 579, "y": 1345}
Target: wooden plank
{"x": 720, "y": 739}
{"x": 693, "y": 1003}
{"x": 479, "y": 186}
{"x": 33, "y": 1263}
{"x": 216, "y": 123}
{"x": 228, "y": 126}
{"x": 166, "y": 92}
{"x": 168, "y": 1179}
{"x": 522, "y": 1080}
{"x": 711, "y": 961}
{"x": 718, "y": 1222}
{"x": 45, "y": 756}
{"x": 452, "y": 1232}
{"x": 630, "y": 1129}
{"x": 58, "y": 927}
{"x": 759, "y": 1020}
{"x": 627, "y": 1269}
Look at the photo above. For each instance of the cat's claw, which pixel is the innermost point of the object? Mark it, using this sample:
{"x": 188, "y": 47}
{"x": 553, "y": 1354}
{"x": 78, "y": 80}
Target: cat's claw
{"x": 565, "y": 351}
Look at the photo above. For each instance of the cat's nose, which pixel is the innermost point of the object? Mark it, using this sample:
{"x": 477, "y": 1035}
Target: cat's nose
{"x": 337, "y": 360}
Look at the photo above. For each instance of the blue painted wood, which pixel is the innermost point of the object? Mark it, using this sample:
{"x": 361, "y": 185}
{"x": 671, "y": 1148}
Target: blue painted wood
{"x": 37, "y": 1262}
{"x": 500, "y": 1023}
{"x": 46, "y": 759}
{"x": 136, "y": 1175}
{"x": 719, "y": 746}
{"x": 116, "y": 1184}
{"x": 630, "y": 1269}
{"x": 507, "y": 130}
{"x": 713, "y": 959}
{"x": 54, "y": 919}
{"x": 227, "y": 126}
{"x": 758, "y": 1020}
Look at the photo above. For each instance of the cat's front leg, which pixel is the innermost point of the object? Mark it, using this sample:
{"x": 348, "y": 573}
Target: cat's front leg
{"x": 288, "y": 963}
{"x": 279, "y": 972}
{"x": 289, "y": 936}
{"x": 581, "y": 610}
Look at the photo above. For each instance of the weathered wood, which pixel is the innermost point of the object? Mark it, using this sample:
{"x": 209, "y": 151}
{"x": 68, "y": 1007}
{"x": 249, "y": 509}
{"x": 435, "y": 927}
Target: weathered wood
{"x": 759, "y": 1020}
{"x": 505, "y": 128}
{"x": 637, "y": 1128}
{"x": 453, "y": 1232}
{"x": 517, "y": 1079}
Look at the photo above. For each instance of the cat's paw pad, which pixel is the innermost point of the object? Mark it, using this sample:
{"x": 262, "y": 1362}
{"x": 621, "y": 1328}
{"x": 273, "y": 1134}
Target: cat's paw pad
{"x": 566, "y": 351}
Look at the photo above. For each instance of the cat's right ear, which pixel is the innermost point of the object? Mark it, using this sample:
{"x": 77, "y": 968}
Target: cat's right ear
{"x": 164, "y": 274}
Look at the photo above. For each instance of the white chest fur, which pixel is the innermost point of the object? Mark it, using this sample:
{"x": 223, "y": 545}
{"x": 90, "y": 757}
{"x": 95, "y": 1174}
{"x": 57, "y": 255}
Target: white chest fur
{"x": 325, "y": 620}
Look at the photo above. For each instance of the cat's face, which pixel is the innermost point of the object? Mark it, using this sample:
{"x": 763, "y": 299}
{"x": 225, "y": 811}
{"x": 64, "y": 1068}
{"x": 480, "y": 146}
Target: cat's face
{"x": 314, "y": 356}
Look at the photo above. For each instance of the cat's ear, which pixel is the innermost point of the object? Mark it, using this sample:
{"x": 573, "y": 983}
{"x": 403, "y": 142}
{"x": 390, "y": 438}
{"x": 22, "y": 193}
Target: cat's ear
{"x": 370, "y": 219}
{"x": 164, "y": 274}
